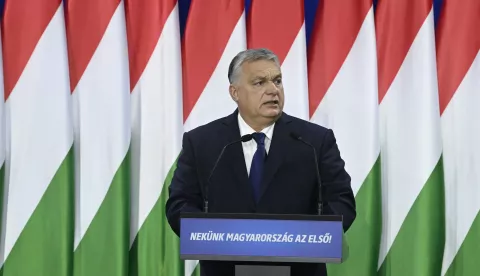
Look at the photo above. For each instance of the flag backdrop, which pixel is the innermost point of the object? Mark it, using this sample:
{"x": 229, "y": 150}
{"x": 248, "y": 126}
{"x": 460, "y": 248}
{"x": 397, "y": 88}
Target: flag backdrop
{"x": 97, "y": 95}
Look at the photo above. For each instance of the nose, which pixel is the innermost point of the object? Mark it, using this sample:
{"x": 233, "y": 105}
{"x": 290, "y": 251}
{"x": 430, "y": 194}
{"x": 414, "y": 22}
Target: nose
{"x": 272, "y": 88}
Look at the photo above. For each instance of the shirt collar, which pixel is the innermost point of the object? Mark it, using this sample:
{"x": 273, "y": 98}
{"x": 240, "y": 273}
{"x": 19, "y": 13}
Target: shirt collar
{"x": 246, "y": 129}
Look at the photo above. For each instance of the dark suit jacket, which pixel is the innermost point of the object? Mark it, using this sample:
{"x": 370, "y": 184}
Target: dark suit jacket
{"x": 289, "y": 184}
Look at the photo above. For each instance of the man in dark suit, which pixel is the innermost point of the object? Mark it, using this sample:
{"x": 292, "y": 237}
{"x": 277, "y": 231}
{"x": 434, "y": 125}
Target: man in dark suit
{"x": 272, "y": 173}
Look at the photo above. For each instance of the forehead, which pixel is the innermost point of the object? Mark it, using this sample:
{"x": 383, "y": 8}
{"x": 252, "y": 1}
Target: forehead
{"x": 261, "y": 69}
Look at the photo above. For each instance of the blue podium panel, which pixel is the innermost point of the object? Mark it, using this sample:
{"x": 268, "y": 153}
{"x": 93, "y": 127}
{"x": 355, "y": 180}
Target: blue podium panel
{"x": 261, "y": 237}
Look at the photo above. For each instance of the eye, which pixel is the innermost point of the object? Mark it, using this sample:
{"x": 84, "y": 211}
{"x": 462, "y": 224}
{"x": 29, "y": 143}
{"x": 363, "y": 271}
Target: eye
{"x": 278, "y": 81}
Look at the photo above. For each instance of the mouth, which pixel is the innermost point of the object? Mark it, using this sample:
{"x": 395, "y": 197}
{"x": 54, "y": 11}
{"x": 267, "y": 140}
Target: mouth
{"x": 273, "y": 102}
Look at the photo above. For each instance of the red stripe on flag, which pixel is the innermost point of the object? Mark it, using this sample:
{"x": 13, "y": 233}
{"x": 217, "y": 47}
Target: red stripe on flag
{"x": 87, "y": 21}
{"x": 331, "y": 42}
{"x": 397, "y": 24}
{"x": 22, "y": 26}
{"x": 208, "y": 29}
{"x": 274, "y": 25}
{"x": 145, "y": 22}
{"x": 458, "y": 42}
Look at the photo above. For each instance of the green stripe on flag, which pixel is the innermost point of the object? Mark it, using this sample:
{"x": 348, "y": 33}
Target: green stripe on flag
{"x": 196, "y": 272}
{"x": 364, "y": 235}
{"x": 418, "y": 247}
{"x": 104, "y": 247}
{"x": 45, "y": 246}
{"x": 465, "y": 262}
{"x": 155, "y": 250}
{"x": 2, "y": 187}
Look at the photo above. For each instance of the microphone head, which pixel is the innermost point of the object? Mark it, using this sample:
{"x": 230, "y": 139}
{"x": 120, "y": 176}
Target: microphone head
{"x": 295, "y": 136}
{"x": 246, "y": 138}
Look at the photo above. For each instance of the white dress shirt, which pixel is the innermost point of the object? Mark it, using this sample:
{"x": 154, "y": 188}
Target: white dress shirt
{"x": 250, "y": 147}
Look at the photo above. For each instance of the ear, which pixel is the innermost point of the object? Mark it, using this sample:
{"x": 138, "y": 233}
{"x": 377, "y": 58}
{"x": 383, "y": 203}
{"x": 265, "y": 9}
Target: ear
{"x": 233, "y": 92}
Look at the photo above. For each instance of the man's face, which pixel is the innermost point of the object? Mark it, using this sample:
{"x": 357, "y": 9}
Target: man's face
{"x": 259, "y": 90}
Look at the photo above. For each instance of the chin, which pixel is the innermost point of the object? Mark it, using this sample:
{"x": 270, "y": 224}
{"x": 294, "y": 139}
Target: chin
{"x": 272, "y": 113}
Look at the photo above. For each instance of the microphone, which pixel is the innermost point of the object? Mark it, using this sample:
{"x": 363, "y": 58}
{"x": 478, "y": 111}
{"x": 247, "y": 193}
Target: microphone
{"x": 319, "y": 181}
{"x": 244, "y": 138}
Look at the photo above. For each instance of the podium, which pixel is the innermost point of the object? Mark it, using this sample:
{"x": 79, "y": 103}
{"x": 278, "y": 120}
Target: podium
{"x": 266, "y": 238}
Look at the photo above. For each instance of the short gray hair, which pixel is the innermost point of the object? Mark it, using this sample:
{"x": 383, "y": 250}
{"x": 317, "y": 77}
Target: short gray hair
{"x": 248, "y": 56}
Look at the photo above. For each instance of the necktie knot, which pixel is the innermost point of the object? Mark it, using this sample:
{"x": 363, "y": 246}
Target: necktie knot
{"x": 259, "y": 137}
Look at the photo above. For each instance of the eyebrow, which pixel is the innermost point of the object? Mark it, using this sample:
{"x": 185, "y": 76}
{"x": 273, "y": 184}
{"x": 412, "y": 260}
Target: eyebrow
{"x": 279, "y": 75}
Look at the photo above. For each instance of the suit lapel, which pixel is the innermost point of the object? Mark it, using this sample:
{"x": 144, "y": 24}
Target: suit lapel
{"x": 276, "y": 153}
{"x": 236, "y": 158}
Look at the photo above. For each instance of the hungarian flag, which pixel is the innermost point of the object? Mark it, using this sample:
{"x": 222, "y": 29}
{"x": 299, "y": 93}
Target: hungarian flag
{"x": 342, "y": 82}
{"x": 411, "y": 145}
{"x": 38, "y": 213}
{"x": 157, "y": 127}
{"x": 3, "y": 151}
{"x": 99, "y": 81}
{"x": 458, "y": 42}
